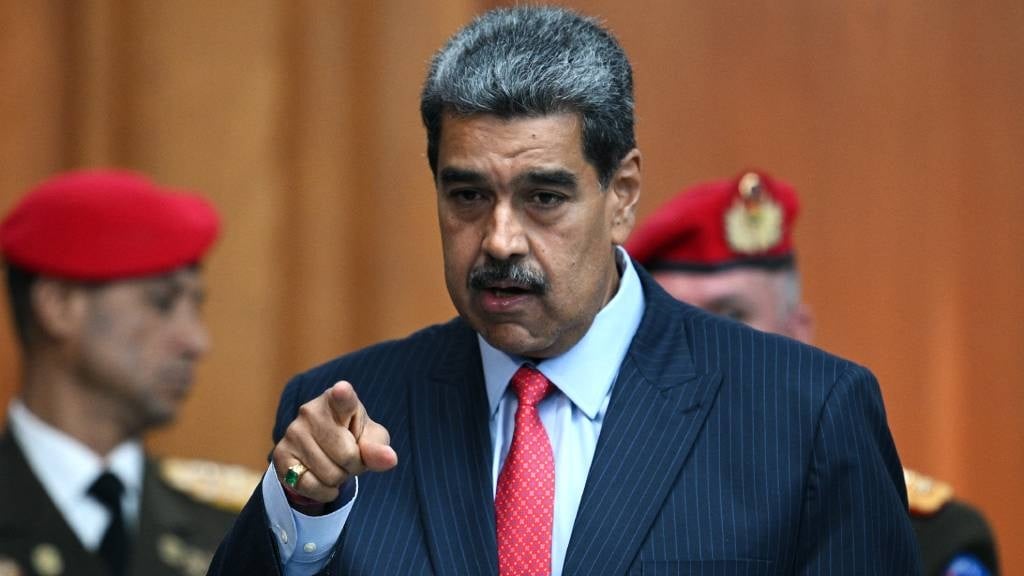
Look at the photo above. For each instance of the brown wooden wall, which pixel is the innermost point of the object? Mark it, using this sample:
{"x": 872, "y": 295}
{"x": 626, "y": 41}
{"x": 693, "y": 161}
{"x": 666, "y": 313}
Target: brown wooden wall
{"x": 899, "y": 121}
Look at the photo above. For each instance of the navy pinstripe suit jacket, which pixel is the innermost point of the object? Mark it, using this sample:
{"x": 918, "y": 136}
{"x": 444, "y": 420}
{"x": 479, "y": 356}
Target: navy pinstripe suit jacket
{"x": 724, "y": 451}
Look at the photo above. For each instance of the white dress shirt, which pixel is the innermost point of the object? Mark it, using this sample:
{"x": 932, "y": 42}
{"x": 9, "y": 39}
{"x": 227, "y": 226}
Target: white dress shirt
{"x": 572, "y": 417}
{"x": 67, "y": 468}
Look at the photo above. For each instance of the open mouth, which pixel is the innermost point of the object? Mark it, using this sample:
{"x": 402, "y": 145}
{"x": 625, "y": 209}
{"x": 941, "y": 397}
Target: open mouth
{"x": 505, "y": 297}
{"x": 508, "y": 291}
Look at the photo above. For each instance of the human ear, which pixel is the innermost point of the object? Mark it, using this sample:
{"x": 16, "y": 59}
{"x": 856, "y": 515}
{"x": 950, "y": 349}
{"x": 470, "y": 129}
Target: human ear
{"x": 625, "y": 191}
{"x": 59, "y": 307}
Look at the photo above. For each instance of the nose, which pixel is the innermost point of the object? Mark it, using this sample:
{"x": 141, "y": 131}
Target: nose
{"x": 194, "y": 338}
{"x": 505, "y": 237}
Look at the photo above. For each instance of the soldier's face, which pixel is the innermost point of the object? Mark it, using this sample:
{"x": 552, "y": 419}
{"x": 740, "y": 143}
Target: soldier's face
{"x": 139, "y": 343}
{"x": 755, "y": 297}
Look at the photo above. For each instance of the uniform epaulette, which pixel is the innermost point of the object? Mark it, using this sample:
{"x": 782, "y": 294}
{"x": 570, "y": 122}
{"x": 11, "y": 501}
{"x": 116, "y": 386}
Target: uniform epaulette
{"x": 925, "y": 494}
{"x": 225, "y": 486}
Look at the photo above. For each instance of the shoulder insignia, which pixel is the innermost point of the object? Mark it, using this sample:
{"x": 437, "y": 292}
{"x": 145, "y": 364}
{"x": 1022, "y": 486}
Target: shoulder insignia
{"x": 224, "y": 486}
{"x": 8, "y": 567}
{"x": 925, "y": 494}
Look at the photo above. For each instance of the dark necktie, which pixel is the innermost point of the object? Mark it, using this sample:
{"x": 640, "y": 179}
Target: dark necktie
{"x": 524, "y": 503}
{"x": 107, "y": 489}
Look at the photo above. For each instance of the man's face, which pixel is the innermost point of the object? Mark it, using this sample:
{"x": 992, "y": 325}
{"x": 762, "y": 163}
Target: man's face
{"x": 139, "y": 343}
{"x": 755, "y": 297}
{"x": 526, "y": 229}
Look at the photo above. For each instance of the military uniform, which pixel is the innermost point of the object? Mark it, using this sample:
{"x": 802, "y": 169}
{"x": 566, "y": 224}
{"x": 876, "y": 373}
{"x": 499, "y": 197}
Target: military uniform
{"x": 104, "y": 227}
{"x": 953, "y": 536}
{"x": 180, "y": 525}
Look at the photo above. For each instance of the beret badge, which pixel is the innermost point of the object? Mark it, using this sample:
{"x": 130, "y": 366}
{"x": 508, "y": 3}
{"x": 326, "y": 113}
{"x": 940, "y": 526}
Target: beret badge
{"x": 753, "y": 223}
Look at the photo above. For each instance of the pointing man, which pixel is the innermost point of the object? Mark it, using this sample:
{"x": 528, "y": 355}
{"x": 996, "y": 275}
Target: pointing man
{"x": 574, "y": 418}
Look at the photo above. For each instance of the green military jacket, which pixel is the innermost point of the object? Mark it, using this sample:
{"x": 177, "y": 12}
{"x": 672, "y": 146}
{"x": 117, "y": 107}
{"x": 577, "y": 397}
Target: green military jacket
{"x": 181, "y": 520}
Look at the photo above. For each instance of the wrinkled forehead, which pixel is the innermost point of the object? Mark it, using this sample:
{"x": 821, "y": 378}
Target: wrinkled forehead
{"x": 455, "y": 126}
{"x": 184, "y": 279}
{"x": 700, "y": 288}
{"x": 484, "y": 142}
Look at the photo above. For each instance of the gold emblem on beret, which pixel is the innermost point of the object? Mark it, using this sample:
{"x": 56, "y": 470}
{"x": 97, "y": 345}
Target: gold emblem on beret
{"x": 754, "y": 221}
{"x": 46, "y": 560}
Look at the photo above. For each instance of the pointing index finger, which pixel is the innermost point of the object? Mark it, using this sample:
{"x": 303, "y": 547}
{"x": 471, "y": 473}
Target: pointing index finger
{"x": 348, "y": 410}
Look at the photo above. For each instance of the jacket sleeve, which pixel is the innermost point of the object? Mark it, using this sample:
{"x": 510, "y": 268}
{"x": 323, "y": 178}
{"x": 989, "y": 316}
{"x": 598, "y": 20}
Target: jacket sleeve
{"x": 854, "y": 518}
{"x": 250, "y": 546}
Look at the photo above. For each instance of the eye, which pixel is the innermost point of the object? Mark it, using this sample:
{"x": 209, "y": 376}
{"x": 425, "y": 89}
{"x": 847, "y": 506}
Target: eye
{"x": 733, "y": 312}
{"x": 465, "y": 195}
{"x": 547, "y": 199}
{"x": 162, "y": 301}
{"x": 165, "y": 297}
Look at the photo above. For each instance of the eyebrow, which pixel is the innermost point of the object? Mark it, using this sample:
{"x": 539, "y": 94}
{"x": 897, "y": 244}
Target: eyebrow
{"x": 450, "y": 175}
{"x": 175, "y": 282}
{"x": 555, "y": 177}
{"x": 728, "y": 301}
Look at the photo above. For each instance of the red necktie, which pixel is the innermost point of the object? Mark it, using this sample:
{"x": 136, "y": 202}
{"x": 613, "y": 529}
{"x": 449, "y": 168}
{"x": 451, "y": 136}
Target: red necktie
{"x": 524, "y": 503}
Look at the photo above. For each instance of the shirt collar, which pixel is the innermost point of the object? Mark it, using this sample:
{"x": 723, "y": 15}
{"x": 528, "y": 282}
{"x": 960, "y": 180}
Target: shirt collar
{"x": 585, "y": 372}
{"x": 64, "y": 466}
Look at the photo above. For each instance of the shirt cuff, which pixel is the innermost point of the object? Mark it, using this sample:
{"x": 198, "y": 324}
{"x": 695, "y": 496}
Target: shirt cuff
{"x": 304, "y": 542}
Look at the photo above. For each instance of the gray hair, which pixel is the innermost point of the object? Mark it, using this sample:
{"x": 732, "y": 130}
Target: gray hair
{"x": 535, "y": 61}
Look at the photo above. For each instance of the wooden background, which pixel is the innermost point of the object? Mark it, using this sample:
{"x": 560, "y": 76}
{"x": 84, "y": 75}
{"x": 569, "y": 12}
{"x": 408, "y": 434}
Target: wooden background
{"x": 900, "y": 122}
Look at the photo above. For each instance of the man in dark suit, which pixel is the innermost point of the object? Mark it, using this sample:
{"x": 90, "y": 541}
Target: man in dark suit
{"x": 694, "y": 247}
{"x": 574, "y": 418}
{"x": 105, "y": 288}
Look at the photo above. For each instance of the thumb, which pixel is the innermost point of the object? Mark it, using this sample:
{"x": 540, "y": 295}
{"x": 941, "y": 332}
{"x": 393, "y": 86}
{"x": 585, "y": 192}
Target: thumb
{"x": 377, "y": 457}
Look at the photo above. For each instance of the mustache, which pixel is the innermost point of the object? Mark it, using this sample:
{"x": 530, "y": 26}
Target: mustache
{"x": 518, "y": 273}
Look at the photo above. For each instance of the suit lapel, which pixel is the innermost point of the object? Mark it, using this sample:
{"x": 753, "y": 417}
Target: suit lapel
{"x": 657, "y": 411}
{"x": 451, "y": 456}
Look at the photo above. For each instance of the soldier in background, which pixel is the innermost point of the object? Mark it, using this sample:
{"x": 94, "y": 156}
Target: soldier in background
{"x": 727, "y": 246}
{"x": 106, "y": 292}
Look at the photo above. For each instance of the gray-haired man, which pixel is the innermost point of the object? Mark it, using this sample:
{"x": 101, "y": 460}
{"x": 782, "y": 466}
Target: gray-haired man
{"x": 574, "y": 418}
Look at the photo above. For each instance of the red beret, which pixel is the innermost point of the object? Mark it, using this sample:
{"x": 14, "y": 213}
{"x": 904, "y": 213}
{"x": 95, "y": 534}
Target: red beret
{"x": 105, "y": 225}
{"x": 745, "y": 221}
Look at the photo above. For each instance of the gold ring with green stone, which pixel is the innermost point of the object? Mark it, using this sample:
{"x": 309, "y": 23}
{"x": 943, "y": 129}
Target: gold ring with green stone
{"x": 291, "y": 477}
